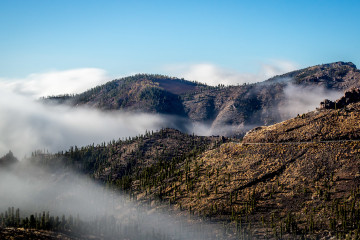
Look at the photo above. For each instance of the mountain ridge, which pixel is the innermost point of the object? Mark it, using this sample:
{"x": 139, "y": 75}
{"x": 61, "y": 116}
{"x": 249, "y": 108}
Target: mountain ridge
{"x": 225, "y": 110}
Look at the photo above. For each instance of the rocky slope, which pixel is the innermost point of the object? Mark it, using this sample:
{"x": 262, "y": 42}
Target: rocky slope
{"x": 274, "y": 185}
{"x": 225, "y": 109}
{"x": 324, "y": 124}
{"x": 122, "y": 162}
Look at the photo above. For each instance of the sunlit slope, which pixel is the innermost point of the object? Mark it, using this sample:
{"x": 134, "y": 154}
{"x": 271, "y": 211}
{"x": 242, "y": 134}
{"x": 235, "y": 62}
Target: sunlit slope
{"x": 277, "y": 188}
{"x": 320, "y": 125}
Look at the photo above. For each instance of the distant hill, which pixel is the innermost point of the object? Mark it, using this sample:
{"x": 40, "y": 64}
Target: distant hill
{"x": 8, "y": 160}
{"x": 226, "y": 109}
{"x": 265, "y": 103}
{"x": 123, "y": 161}
{"x": 142, "y": 92}
{"x": 337, "y": 75}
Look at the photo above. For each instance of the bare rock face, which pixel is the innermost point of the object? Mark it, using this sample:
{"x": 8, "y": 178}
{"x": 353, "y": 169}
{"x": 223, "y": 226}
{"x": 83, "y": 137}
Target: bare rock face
{"x": 352, "y": 96}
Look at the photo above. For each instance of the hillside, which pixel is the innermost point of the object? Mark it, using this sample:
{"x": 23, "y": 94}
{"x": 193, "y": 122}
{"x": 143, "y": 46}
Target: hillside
{"x": 271, "y": 101}
{"x": 225, "y": 109}
{"x": 124, "y": 161}
{"x": 283, "y": 189}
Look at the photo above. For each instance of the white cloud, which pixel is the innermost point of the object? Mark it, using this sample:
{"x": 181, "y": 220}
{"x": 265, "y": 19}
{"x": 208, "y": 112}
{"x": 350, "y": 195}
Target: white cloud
{"x": 213, "y": 75}
{"x": 56, "y": 82}
{"x": 276, "y": 67}
{"x": 27, "y": 125}
{"x": 301, "y": 99}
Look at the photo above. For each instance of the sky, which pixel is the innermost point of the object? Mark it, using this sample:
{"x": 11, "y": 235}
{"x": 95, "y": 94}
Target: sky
{"x": 66, "y": 47}
{"x": 243, "y": 39}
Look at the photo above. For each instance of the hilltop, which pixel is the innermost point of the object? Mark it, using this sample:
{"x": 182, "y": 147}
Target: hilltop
{"x": 225, "y": 109}
{"x": 143, "y": 92}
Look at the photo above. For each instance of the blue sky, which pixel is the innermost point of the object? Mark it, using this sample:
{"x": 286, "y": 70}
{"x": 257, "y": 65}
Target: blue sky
{"x": 124, "y": 37}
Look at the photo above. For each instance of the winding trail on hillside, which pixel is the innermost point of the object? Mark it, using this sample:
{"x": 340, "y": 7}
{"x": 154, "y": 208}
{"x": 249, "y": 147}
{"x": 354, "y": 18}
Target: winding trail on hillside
{"x": 297, "y": 143}
{"x": 283, "y": 167}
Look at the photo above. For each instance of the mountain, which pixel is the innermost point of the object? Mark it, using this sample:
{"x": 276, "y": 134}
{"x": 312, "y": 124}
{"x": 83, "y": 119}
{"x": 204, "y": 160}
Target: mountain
{"x": 8, "y": 160}
{"x": 224, "y": 109}
{"x": 122, "y": 162}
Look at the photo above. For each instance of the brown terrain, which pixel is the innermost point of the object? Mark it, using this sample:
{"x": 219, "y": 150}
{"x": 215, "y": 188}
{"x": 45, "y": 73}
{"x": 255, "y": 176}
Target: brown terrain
{"x": 290, "y": 180}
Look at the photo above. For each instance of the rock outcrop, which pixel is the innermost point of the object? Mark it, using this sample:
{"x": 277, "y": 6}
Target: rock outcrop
{"x": 352, "y": 96}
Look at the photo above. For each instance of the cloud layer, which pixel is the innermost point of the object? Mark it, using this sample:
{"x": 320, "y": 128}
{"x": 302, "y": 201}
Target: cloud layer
{"x": 56, "y": 82}
{"x": 214, "y": 75}
{"x": 301, "y": 99}
{"x": 27, "y": 125}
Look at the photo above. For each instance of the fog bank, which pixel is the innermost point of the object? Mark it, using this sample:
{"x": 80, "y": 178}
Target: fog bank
{"x": 27, "y": 125}
{"x": 303, "y": 99}
{"x": 35, "y": 188}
